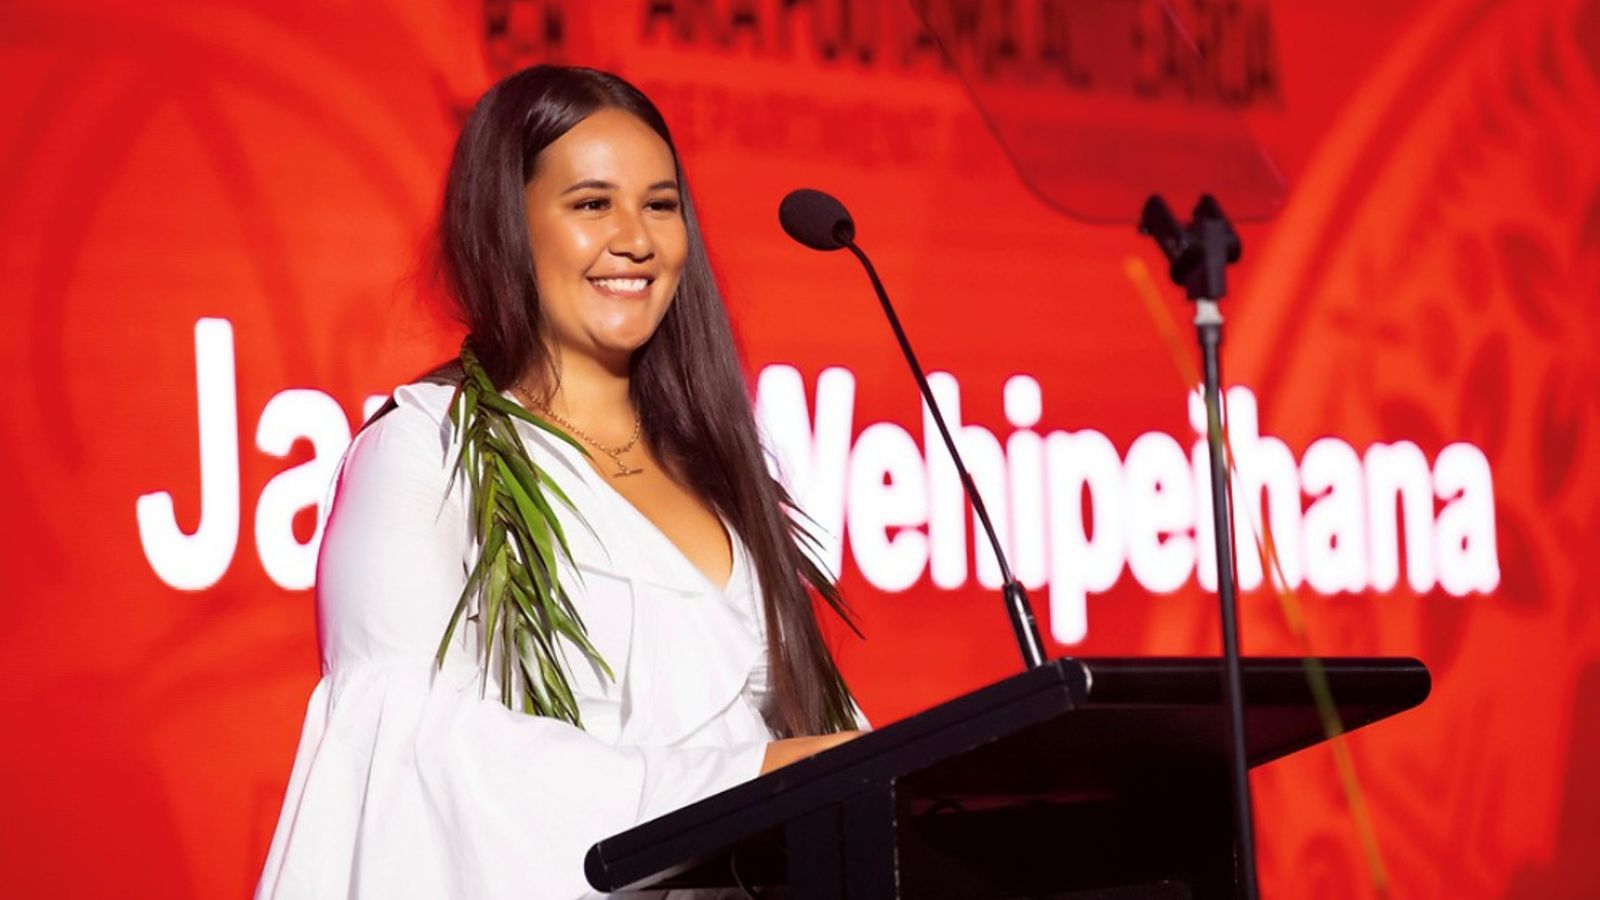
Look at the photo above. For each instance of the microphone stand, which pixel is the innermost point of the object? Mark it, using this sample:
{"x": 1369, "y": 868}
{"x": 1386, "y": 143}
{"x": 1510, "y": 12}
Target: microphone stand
{"x": 1018, "y": 608}
{"x": 1198, "y": 255}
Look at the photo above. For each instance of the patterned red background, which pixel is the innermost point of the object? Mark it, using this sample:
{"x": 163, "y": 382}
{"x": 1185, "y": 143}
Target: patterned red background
{"x": 1432, "y": 278}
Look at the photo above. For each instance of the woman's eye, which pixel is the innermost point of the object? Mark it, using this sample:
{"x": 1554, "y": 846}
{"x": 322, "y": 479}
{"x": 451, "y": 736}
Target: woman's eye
{"x": 594, "y": 204}
{"x": 664, "y": 205}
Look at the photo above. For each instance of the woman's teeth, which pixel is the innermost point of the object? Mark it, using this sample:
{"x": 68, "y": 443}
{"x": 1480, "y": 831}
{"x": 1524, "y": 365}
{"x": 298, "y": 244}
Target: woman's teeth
{"x": 621, "y": 285}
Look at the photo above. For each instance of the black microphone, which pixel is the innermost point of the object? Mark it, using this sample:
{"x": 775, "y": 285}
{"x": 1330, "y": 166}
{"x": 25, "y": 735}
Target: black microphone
{"x": 816, "y": 220}
{"x": 821, "y": 222}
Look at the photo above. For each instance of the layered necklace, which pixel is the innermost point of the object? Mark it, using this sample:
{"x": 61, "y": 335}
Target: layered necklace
{"x": 615, "y": 453}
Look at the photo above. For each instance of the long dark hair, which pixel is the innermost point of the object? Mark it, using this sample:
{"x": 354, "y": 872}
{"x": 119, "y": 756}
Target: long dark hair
{"x": 686, "y": 381}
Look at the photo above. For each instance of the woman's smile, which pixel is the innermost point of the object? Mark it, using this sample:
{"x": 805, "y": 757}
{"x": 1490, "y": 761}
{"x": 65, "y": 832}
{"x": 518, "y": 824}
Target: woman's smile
{"x": 627, "y": 287}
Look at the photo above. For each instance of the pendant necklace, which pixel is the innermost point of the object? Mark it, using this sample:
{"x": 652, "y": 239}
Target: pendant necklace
{"x": 614, "y": 452}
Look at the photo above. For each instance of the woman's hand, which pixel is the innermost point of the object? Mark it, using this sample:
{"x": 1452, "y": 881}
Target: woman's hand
{"x": 792, "y": 750}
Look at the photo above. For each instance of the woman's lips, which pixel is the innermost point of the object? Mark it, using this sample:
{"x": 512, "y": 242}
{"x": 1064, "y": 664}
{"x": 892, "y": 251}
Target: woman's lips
{"x": 630, "y": 288}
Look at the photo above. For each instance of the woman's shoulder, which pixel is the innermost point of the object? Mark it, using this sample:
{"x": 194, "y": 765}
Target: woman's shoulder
{"x": 410, "y": 436}
{"x": 425, "y": 400}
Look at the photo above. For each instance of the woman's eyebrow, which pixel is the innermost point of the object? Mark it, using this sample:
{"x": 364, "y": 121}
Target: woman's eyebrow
{"x": 590, "y": 184}
{"x": 596, "y": 184}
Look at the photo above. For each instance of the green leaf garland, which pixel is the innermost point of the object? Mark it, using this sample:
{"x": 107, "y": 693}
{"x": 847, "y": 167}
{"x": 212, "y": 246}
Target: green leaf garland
{"x": 522, "y": 605}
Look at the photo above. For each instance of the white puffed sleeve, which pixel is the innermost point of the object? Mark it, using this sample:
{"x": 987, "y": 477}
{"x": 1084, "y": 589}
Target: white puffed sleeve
{"x": 411, "y": 782}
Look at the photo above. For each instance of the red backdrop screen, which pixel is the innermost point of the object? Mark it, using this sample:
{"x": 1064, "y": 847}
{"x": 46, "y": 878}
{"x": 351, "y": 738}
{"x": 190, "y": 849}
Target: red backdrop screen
{"x": 213, "y": 256}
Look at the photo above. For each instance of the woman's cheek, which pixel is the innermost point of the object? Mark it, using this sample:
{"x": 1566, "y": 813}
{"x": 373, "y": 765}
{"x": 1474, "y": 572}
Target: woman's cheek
{"x": 587, "y": 241}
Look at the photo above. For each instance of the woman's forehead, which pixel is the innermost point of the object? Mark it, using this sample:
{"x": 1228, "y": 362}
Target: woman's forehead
{"x": 612, "y": 146}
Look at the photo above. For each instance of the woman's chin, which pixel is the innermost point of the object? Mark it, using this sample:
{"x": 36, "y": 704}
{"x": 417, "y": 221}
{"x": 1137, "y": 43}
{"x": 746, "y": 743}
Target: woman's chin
{"x": 619, "y": 348}
{"x": 625, "y": 337}
{"x": 609, "y": 343}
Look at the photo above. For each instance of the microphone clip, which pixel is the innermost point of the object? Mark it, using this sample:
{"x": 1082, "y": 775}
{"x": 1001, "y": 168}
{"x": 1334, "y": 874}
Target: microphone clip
{"x": 1198, "y": 253}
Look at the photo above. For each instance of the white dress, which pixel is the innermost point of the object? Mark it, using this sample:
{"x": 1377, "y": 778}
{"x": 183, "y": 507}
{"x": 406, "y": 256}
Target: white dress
{"x": 412, "y": 783}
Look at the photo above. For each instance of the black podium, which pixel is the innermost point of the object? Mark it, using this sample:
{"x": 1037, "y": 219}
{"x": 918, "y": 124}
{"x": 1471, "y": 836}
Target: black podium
{"x": 1089, "y": 779}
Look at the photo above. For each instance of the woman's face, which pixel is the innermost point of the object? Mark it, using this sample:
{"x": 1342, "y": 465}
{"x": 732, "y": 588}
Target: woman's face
{"x": 605, "y": 222}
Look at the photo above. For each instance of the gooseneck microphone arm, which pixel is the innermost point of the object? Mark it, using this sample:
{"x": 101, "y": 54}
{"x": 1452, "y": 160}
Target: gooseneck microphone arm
{"x": 1018, "y": 608}
{"x": 821, "y": 222}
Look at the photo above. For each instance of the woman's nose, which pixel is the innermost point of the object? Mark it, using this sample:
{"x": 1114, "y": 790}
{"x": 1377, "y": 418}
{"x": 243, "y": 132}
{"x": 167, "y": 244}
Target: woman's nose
{"x": 632, "y": 237}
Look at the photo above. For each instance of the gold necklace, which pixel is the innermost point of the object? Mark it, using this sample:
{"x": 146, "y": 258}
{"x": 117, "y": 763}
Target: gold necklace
{"x": 614, "y": 452}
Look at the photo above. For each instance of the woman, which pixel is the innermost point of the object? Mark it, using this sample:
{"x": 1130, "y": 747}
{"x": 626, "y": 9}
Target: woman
{"x": 469, "y": 738}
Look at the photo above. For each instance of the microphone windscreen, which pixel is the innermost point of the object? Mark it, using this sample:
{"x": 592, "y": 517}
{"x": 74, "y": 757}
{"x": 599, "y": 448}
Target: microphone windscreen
{"x": 816, "y": 219}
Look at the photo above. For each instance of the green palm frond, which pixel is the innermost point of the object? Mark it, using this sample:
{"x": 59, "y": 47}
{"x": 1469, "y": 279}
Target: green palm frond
{"x": 519, "y": 603}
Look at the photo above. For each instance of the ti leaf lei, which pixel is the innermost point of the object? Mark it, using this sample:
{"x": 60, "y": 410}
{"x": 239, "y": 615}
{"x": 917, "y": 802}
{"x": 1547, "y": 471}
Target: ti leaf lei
{"x": 522, "y": 606}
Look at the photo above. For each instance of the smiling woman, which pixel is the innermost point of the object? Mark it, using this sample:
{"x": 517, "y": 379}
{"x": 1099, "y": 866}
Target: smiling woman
{"x": 623, "y": 633}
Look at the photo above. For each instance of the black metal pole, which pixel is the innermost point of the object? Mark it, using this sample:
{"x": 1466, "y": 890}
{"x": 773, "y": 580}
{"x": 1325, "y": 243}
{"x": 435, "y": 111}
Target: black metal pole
{"x": 1199, "y": 254}
{"x": 1208, "y": 325}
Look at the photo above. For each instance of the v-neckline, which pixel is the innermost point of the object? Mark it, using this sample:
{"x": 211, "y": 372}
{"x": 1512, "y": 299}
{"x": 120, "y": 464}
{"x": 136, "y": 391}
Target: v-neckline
{"x": 727, "y": 534}
{"x": 587, "y": 472}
